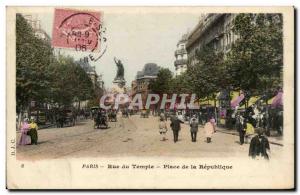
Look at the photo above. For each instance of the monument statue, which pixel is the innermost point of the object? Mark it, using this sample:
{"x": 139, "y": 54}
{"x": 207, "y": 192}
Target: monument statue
{"x": 119, "y": 80}
{"x": 120, "y": 72}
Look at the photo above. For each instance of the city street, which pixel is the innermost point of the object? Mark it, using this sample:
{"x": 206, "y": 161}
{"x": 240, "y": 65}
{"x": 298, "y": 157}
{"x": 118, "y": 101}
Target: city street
{"x": 133, "y": 136}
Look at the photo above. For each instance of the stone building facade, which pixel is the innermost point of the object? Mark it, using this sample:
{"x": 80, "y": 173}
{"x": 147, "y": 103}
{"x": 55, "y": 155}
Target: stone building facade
{"x": 35, "y": 23}
{"x": 181, "y": 55}
{"x": 143, "y": 78}
{"x": 214, "y": 30}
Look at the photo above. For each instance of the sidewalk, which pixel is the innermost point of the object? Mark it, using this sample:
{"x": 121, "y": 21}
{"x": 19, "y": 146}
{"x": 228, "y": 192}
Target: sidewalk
{"x": 273, "y": 139}
{"x": 41, "y": 127}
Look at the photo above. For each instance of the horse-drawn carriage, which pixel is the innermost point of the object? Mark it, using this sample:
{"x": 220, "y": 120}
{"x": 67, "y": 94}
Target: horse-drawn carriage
{"x": 100, "y": 120}
{"x": 94, "y": 111}
{"x": 65, "y": 117}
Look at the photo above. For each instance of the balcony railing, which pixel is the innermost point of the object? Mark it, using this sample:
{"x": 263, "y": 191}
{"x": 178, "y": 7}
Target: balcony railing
{"x": 180, "y": 51}
{"x": 180, "y": 62}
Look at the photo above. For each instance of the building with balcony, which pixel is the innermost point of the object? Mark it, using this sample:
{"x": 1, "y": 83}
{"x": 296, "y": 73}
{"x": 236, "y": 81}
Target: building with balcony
{"x": 213, "y": 30}
{"x": 181, "y": 55}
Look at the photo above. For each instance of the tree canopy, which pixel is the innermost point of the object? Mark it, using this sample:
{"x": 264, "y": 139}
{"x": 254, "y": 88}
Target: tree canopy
{"x": 42, "y": 77}
{"x": 256, "y": 59}
{"x": 163, "y": 83}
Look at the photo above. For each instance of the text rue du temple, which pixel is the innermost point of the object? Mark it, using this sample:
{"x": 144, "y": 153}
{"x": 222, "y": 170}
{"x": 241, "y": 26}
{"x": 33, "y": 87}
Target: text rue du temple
{"x": 149, "y": 166}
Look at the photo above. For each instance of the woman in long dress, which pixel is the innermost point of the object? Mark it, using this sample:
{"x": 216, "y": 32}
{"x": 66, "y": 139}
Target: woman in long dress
{"x": 209, "y": 129}
{"x": 33, "y": 132}
{"x": 25, "y": 127}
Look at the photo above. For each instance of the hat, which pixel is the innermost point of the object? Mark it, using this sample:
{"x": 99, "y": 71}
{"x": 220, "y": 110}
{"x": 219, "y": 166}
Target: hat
{"x": 259, "y": 131}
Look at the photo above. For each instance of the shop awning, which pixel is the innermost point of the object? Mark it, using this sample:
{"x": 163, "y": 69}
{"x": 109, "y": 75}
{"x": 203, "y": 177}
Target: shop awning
{"x": 277, "y": 100}
{"x": 251, "y": 101}
{"x": 236, "y": 100}
{"x": 207, "y": 102}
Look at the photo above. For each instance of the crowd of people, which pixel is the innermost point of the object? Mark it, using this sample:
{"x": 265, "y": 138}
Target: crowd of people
{"x": 177, "y": 120}
{"x": 258, "y": 143}
{"x": 248, "y": 134}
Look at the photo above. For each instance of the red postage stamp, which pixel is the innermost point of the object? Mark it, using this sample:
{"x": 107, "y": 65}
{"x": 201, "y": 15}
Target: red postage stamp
{"x": 75, "y": 29}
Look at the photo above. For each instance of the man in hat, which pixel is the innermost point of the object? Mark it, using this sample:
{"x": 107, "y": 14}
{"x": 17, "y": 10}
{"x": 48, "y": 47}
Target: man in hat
{"x": 259, "y": 145}
{"x": 194, "y": 128}
{"x": 241, "y": 128}
{"x": 175, "y": 126}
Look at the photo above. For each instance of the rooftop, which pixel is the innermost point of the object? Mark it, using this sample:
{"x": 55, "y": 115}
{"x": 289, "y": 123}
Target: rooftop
{"x": 150, "y": 70}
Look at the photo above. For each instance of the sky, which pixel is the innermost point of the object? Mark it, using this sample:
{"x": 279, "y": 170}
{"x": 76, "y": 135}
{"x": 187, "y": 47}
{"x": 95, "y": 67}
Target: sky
{"x": 135, "y": 39}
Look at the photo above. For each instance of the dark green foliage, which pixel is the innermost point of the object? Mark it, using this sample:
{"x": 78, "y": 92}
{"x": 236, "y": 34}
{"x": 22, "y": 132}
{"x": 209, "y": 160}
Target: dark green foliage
{"x": 256, "y": 59}
{"x": 41, "y": 77}
{"x": 163, "y": 82}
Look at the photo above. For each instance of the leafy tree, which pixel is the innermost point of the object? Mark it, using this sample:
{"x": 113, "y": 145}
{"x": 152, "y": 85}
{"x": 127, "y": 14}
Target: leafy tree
{"x": 32, "y": 65}
{"x": 207, "y": 76}
{"x": 181, "y": 84}
{"x": 163, "y": 83}
{"x": 256, "y": 59}
{"x": 71, "y": 82}
{"x": 43, "y": 78}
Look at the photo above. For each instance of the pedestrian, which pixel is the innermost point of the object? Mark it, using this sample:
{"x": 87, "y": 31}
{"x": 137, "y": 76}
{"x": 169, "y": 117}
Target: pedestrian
{"x": 259, "y": 145}
{"x": 162, "y": 127}
{"x": 166, "y": 116}
{"x": 209, "y": 129}
{"x": 194, "y": 128}
{"x": 279, "y": 122}
{"x": 241, "y": 129}
{"x": 249, "y": 131}
{"x": 60, "y": 119}
{"x": 175, "y": 126}
{"x": 33, "y": 131}
{"x": 180, "y": 116}
{"x": 25, "y": 139}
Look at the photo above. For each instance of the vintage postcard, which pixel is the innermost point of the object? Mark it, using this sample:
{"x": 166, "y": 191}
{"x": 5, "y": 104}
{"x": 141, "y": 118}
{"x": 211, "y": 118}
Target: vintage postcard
{"x": 150, "y": 98}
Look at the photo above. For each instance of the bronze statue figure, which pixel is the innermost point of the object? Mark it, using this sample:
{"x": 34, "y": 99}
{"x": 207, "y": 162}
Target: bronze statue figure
{"x": 120, "y": 72}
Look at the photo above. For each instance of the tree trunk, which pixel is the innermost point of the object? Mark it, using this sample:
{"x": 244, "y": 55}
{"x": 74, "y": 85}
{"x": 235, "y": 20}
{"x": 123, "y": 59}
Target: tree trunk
{"x": 215, "y": 110}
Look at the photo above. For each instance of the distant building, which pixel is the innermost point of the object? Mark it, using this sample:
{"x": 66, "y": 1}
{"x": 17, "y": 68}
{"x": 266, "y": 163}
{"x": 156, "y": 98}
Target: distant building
{"x": 100, "y": 81}
{"x": 35, "y": 23}
{"x": 181, "y": 55}
{"x": 91, "y": 72}
{"x": 143, "y": 78}
{"x": 215, "y": 30}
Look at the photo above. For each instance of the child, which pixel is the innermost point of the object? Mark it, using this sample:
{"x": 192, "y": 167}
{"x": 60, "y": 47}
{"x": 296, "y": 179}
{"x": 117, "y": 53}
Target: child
{"x": 209, "y": 129}
{"x": 162, "y": 127}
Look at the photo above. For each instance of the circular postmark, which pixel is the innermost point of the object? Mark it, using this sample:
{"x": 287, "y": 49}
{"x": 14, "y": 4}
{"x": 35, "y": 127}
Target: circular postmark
{"x": 78, "y": 30}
